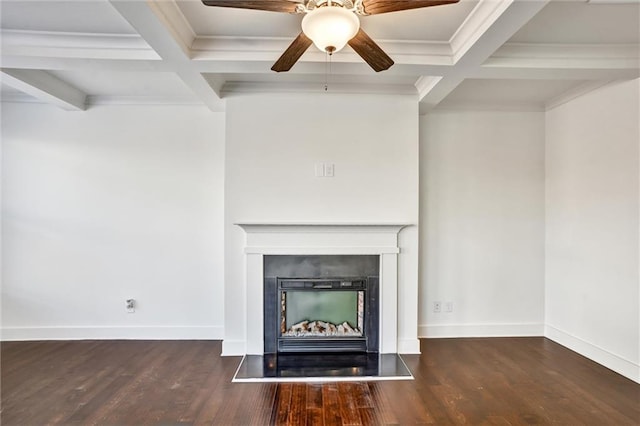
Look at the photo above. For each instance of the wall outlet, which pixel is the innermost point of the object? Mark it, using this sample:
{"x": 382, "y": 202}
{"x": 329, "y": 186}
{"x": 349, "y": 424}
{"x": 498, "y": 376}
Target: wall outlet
{"x": 131, "y": 305}
{"x": 448, "y": 306}
{"x": 437, "y": 307}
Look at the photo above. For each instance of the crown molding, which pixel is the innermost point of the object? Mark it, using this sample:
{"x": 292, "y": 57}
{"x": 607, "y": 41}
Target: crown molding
{"x": 103, "y": 100}
{"x": 612, "y": 2}
{"x": 75, "y": 45}
{"x": 488, "y": 106}
{"x": 231, "y": 88}
{"x": 223, "y": 48}
{"x": 425, "y": 83}
{"x": 566, "y": 55}
{"x": 20, "y": 98}
{"x": 576, "y": 92}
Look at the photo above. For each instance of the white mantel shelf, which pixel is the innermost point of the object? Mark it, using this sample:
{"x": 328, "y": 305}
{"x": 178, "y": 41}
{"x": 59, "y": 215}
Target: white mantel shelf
{"x": 302, "y": 241}
{"x": 320, "y": 226}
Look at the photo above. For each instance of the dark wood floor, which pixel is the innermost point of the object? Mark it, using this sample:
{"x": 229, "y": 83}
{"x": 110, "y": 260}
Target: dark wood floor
{"x": 457, "y": 381}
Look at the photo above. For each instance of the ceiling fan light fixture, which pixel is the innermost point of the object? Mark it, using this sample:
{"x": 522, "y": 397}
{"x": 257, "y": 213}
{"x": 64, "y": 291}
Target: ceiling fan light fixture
{"x": 330, "y": 27}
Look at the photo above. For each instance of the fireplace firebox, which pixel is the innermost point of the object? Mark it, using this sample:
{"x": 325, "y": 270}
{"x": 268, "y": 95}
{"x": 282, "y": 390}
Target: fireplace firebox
{"x": 319, "y": 313}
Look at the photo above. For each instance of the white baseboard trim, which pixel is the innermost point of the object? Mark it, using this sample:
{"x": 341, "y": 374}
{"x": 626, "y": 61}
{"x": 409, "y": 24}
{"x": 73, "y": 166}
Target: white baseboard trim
{"x": 408, "y": 346}
{"x": 614, "y": 362}
{"x": 481, "y": 330}
{"x": 112, "y": 333}
{"x": 234, "y": 347}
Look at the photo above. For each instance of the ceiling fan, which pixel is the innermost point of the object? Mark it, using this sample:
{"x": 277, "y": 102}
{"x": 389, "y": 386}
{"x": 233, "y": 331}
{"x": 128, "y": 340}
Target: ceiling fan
{"x": 331, "y": 24}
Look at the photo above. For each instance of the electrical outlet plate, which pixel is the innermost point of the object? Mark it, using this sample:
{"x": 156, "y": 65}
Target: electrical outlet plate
{"x": 437, "y": 307}
{"x": 448, "y": 307}
{"x": 130, "y": 305}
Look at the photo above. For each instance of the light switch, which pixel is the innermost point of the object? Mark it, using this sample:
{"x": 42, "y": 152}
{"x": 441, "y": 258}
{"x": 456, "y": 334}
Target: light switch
{"x": 319, "y": 170}
{"x": 328, "y": 169}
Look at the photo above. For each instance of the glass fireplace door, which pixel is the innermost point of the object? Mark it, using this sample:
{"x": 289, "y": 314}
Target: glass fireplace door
{"x": 320, "y": 312}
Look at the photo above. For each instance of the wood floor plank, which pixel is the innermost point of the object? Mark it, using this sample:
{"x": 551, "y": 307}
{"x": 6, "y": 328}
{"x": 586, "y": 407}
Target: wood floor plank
{"x": 368, "y": 416}
{"x": 348, "y": 407}
{"x": 215, "y": 395}
{"x": 298, "y": 407}
{"x": 314, "y": 417}
{"x": 385, "y": 411}
{"x": 362, "y": 395}
{"x": 282, "y": 404}
{"x": 314, "y": 395}
{"x": 331, "y": 405}
{"x": 201, "y": 381}
{"x": 494, "y": 381}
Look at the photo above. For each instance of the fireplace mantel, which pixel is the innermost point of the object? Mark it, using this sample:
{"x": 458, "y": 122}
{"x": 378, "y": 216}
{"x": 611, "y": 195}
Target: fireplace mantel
{"x": 317, "y": 238}
{"x": 342, "y": 238}
{"x": 319, "y": 226}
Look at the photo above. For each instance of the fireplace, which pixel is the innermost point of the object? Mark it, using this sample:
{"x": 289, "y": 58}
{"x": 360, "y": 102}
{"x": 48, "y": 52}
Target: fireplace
{"x": 305, "y": 310}
{"x": 266, "y": 244}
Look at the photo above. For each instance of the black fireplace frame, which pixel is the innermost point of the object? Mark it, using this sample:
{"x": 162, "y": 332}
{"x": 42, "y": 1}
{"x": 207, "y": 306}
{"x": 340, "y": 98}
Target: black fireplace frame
{"x": 368, "y": 342}
{"x": 368, "y": 282}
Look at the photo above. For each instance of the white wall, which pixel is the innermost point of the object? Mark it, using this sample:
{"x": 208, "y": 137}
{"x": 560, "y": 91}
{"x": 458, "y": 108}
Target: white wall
{"x": 482, "y": 223}
{"x": 592, "y": 216}
{"x": 120, "y": 202}
{"x": 273, "y": 143}
{"x": 109, "y": 204}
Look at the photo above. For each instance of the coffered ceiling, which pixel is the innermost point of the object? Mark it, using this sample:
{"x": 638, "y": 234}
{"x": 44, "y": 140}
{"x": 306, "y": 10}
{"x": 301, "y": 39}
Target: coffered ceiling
{"x": 506, "y": 54}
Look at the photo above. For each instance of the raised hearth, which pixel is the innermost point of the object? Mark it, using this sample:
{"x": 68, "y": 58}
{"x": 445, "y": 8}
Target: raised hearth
{"x": 321, "y": 368}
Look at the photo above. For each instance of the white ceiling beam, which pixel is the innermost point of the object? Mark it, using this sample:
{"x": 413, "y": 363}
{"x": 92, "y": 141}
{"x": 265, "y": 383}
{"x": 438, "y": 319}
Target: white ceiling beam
{"x": 160, "y": 25}
{"x": 45, "y": 87}
{"x": 490, "y": 25}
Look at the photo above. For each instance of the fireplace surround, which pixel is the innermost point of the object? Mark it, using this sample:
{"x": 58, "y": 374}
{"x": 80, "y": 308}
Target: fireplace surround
{"x": 309, "y": 239}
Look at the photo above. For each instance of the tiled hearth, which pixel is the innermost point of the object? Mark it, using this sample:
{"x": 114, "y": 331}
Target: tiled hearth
{"x": 324, "y": 368}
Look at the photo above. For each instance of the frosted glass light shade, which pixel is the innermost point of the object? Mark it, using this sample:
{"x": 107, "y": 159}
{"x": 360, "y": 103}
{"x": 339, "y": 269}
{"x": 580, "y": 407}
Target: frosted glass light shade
{"x": 330, "y": 27}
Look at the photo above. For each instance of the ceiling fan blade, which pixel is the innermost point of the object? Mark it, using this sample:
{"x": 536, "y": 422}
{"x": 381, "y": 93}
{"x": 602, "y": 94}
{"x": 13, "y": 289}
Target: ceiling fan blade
{"x": 370, "y": 51}
{"x": 376, "y": 7}
{"x": 286, "y": 6}
{"x": 292, "y": 54}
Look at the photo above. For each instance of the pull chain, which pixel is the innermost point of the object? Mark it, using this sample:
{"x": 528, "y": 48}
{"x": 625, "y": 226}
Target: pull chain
{"x": 327, "y": 70}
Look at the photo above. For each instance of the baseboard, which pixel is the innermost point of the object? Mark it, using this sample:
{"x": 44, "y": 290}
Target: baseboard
{"x": 112, "y": 333}
{"x": 408, "y": 346}
{"x": 234, "y": 347}
{"x": 595, "y": 353}
{"x": 481, "y": 330}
